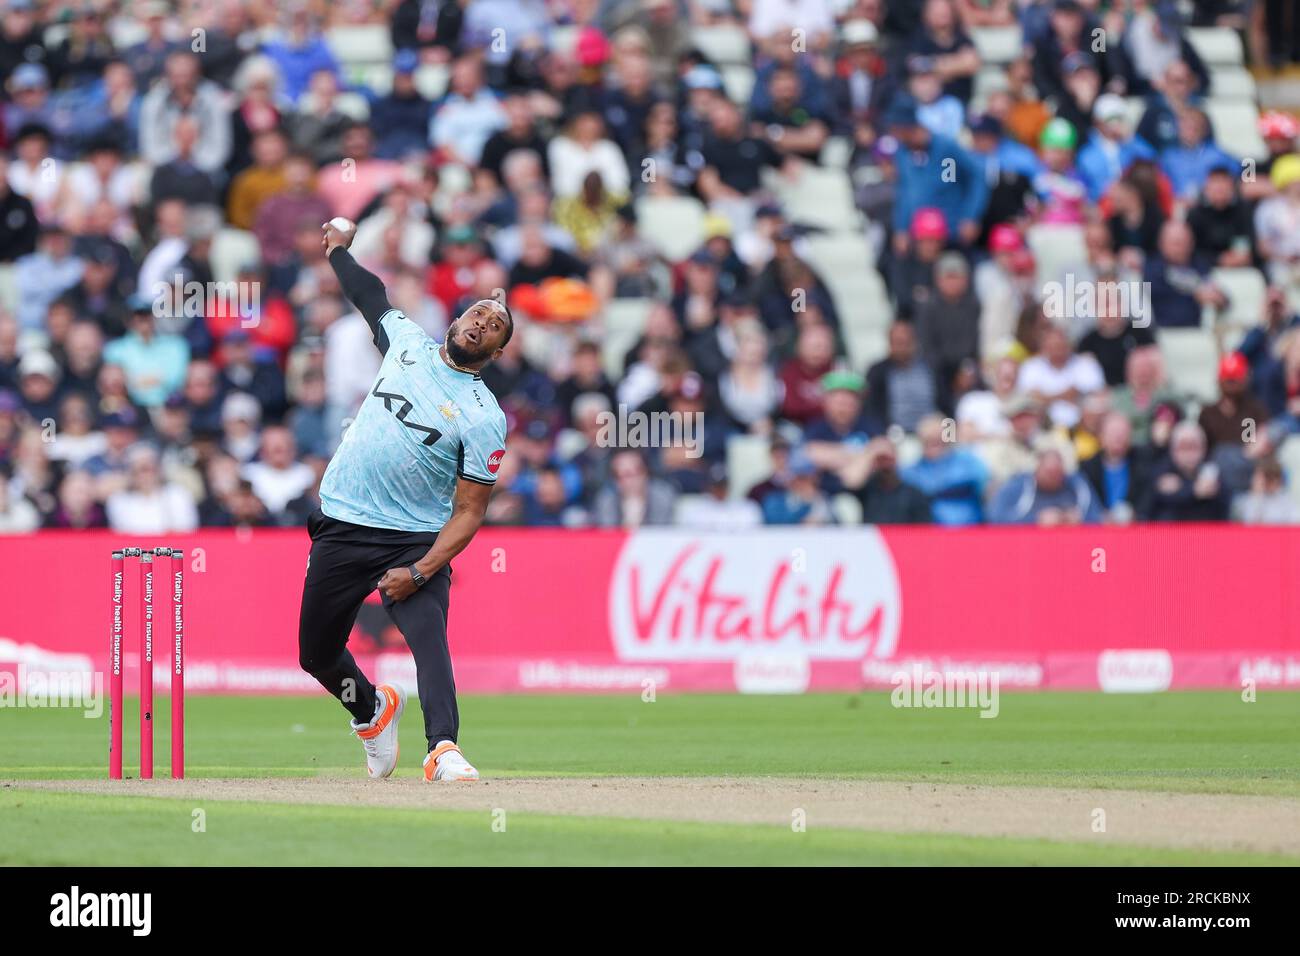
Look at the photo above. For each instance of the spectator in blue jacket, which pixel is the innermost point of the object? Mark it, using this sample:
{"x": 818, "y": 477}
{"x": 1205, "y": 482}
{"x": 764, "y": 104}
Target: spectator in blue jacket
{"x": 1047, "y": 496}
{"x": 300, "y": 54}
{"x": 1111, "y": 146}
{"x": 951, "y": 477}
{"x": 935, "y": 171}
{"x": 1188, "y": 162}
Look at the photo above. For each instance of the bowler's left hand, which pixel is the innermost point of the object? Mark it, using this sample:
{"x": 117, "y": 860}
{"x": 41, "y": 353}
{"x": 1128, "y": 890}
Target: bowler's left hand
{"x": 397, "y": 584}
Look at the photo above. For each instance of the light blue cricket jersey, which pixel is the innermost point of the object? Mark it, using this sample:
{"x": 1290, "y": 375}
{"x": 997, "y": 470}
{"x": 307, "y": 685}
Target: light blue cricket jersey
{"x": 423, "y": 426}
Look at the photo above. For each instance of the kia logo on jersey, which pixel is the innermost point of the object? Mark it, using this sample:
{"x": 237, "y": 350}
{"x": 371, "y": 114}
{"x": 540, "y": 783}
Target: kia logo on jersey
{"x": 494, "y": 461}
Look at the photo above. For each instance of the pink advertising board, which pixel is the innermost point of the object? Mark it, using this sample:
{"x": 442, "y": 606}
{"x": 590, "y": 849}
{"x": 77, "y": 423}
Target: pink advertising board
{"x": 775, "y": 610}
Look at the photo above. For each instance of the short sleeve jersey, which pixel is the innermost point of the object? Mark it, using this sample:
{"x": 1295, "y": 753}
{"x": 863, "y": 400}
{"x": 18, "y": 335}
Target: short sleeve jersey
{"x": 423, "y": 426}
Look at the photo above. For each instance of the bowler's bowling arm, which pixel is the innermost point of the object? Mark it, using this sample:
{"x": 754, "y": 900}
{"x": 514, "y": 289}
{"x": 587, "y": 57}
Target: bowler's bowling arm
{"x": 364, "y": 290}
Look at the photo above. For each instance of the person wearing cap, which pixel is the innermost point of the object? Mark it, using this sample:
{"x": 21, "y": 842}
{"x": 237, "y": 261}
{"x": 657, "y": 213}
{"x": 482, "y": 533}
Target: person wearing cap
{"x": 1111, "y": 146}
{"x": 29, "y": 103}
{"x": 1061, "y": 191}
{"x": 38, "y": 384}
{"x": 1048, "y": 496}
{"x": 935, "y": 172}
{"x": 79, "y": 57}
{"x": 835, "y": 440}
{"x": 939, "y": 112}
{"x": 948, "y": 324}
{"x": 951, "y": 476}
{"x": 802, "y": 501}
{"x": 861, "y": 85}
{"x": 1009, "y": 168}
{"x": 1277, "y": 225}
{"x": 911, "y": 274}
{"x": 1070, "y": 31}
{"x": 714, "y": 510}
{"x": 44, "y": 275}
{"x": 1281, "y": 134}
{"x": 154, "y": 361}
{"x": 148, "y": 57}
{"x": 1236, "y": 419}
{"x": 400, "y": 116}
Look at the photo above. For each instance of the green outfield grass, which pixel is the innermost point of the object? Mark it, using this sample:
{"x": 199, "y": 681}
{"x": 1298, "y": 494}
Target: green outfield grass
{"x": 1206, "y": 742}
{"x": 71, "y": 829}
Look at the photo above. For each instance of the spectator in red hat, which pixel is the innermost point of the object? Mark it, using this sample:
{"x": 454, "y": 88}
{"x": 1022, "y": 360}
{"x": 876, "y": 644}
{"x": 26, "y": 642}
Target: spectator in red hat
{"x": 912, "y": 282}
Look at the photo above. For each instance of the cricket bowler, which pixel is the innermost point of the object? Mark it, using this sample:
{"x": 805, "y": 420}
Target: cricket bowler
{"x": 403, "y": 495}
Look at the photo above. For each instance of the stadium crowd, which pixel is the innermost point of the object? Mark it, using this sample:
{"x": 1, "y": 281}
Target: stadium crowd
{"x": 139, "y": 390}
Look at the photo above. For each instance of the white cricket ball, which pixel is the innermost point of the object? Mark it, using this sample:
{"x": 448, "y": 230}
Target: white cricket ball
{"x": 343, "y": 225}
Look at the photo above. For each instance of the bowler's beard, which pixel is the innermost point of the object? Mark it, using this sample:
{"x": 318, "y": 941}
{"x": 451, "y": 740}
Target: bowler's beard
{"x": 463, "y": 356}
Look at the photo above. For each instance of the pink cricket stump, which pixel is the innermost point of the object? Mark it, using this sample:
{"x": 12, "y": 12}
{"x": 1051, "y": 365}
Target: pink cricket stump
{"x": 178, "y": 665}
{"x": 146, "y": 665}
{"x": 115, "y": 672}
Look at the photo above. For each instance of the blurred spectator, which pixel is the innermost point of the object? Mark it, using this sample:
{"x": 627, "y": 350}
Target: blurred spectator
{"x": 1267, "y": 502}
{"x": 1180, "y": 280}
{"x": 1188, "y": 161}
{"x": 17, "y": 515}
{"x": 402, "y": 116}
{"x": 183, "y": 92}
{"x": 1114, "y": 338}
{"x": 1060, "y": 378}
{"x": 1187, "y": 487}
{"x": 1144, "y": 391}
{"x": 902, "y": 387}
{"x": 801, "y": 500}
{"x": 1221, "y": 223}
{"x": 934, "y": 171}
{"x": 951, "y": 477}
{"x": 633, "y": 499}
{"x": 1048, "y": 496}
{"x": 149, "y": 504}
{"x": 154, "y": 362}
{"x": 714, "y": 510}
{"x": 78, "y": 510}
{"x": 948, "y": 324}
{"x": 18, "y": 239}
{"x": 300, "y": 52}
{"x": 276, "y": 476}
{"x": 1277, "y": 224}
{"x": 1111, "y": 146}
{"x": 470, "y": 113}
{"x": 1120, "y": 474}
{"x": 886, "y": 498}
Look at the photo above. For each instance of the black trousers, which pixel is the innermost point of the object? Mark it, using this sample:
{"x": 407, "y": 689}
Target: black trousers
{"x": 346, "y": 563}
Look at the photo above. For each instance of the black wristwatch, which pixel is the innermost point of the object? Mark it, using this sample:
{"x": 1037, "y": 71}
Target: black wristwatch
{"x": 417, "y": 577}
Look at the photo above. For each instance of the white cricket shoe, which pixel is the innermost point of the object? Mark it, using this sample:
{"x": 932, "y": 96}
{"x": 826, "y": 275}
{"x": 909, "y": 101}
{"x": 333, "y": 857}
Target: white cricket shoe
{"x": 446, "y": 762}
{"x": 379, "y": 737}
